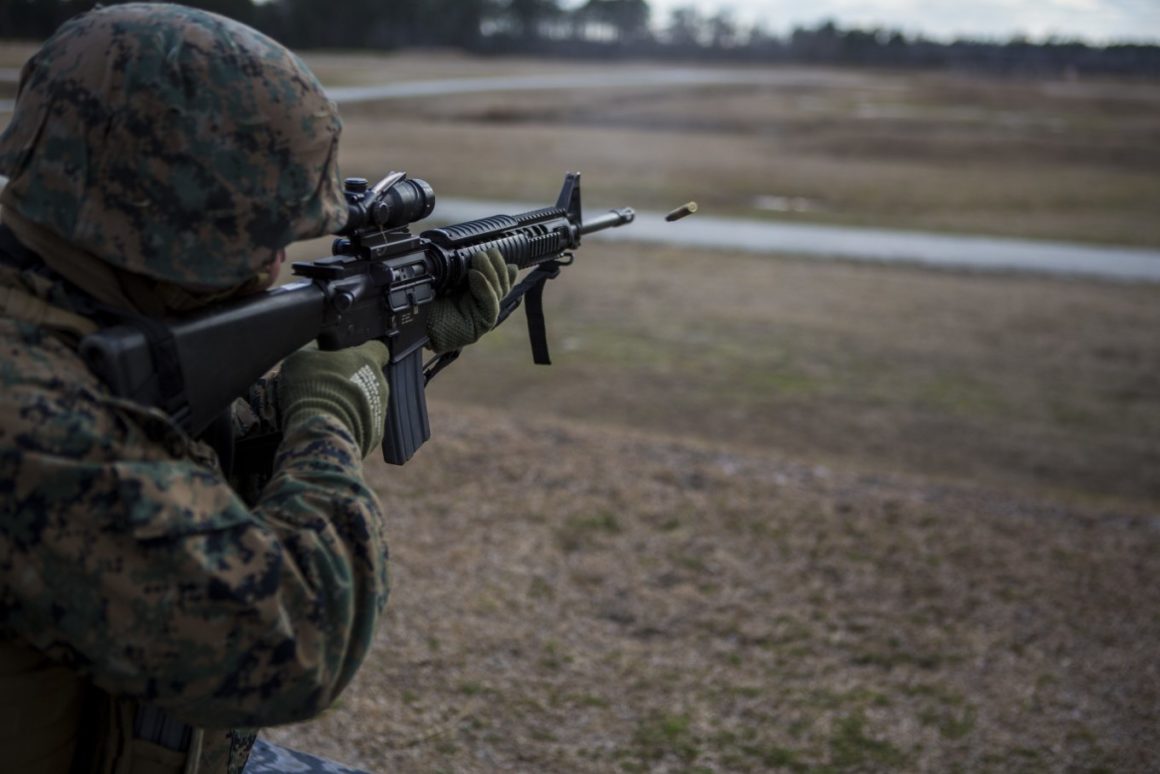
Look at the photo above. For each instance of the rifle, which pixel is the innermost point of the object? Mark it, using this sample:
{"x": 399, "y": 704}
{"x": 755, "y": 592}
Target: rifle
{"x": 378, "y": 284}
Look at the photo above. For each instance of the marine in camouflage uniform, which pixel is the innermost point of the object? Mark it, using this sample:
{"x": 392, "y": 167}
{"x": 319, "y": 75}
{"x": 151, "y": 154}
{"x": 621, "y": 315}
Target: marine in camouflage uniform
{"x": 160, "y": 158}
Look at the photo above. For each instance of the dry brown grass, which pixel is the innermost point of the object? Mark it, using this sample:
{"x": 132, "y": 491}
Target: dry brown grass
{"x": 1049, "y": 386}
{"x": 14, "y": 53}
{"x": 715, "y": 565}
{"x": 573, "y": 599}
{"x": 769, "y": 514}
{"x": 1040, "y": 159}
{"x": 337, "y": 68}
{"x": 1046, "y": 385}
{"x": 1070, "y": 160}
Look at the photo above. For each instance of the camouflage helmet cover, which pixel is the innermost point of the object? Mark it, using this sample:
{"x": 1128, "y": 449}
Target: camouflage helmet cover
{"x": 173, "y": 143}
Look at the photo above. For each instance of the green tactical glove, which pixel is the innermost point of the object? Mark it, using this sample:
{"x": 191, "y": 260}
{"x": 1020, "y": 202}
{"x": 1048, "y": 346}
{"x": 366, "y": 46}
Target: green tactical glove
{"x": 347, "y": 384}
{"x": 456, "y": 322}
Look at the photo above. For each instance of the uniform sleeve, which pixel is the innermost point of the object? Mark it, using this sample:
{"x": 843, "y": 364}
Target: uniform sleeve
{"x": 140, "y": 566}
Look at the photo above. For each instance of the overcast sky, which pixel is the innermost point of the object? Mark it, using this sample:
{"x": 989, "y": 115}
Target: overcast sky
{"x": 1098, "y": 21}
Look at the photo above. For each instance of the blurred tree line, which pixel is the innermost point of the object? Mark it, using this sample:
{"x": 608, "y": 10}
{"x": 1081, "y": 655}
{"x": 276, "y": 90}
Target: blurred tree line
{"x": 611, "y": 28}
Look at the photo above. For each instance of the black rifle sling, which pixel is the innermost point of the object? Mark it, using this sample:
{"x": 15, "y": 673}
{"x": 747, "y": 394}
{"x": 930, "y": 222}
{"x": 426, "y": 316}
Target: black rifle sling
{"x": 532, "y": 287}
{"x": 167, "y": 362}
{"x": 15, "y": 254}
{"x": 537, "y": 328}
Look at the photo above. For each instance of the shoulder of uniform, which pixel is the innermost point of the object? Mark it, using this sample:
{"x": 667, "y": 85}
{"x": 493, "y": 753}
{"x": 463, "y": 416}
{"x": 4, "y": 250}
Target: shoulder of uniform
{"x": 49, "y": 401}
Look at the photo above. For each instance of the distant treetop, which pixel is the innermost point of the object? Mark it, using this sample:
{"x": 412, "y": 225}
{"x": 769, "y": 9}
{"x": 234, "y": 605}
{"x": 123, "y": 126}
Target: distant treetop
{"x": 611, "y": 28}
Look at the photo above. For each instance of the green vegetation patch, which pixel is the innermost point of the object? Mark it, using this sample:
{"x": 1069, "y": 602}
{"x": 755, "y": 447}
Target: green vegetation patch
{"x": 851, "y": 747}
{"x": 662, "y": 735}
{"x": 580, "y": 532}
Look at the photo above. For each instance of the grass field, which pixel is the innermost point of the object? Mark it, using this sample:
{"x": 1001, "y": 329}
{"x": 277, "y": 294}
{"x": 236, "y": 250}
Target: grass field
{"x": 775, "y": 514}
{"x": 1066, "y": 159}
{"x": 1063, "y": 160}
{"x": 574, "y": 598}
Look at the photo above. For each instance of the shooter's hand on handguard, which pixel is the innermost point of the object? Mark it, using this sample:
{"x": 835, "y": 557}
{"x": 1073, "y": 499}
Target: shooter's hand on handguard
{"x": 347, "y": 384}
{"x": 457, "y": 321}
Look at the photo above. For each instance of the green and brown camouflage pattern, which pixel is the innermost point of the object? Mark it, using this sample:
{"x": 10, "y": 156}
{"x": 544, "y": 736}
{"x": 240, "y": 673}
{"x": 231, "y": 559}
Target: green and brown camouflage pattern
{"x": 125, "y": 555}
{"x": 173, "y": 143}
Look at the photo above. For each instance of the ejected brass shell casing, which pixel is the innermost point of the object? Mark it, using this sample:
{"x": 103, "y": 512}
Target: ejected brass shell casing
{"x": 682, "y": 211}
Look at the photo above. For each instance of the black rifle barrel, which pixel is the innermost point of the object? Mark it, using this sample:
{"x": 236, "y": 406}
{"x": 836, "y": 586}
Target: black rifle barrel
{"x": 611, "y": 219}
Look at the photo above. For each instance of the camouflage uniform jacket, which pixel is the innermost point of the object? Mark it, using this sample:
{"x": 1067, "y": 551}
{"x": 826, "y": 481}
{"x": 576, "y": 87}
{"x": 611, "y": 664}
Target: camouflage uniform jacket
{"x": 126, "y": 556}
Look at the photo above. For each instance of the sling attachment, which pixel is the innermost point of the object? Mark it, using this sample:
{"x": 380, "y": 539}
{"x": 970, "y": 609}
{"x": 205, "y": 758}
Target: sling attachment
{"x": 167, "y": 362}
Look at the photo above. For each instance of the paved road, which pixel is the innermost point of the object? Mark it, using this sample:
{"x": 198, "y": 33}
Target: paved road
{"x": 668, "y": 76}
{"x": 863, "y": 244}
{"x": 647, "y": 76}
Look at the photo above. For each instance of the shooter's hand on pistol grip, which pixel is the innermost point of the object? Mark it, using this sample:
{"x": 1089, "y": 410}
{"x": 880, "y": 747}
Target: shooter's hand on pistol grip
{"x": 347, "y": 384}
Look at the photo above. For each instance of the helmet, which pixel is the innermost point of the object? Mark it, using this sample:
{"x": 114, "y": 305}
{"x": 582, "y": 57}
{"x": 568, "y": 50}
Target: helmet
{"x": 173, "y": 143}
